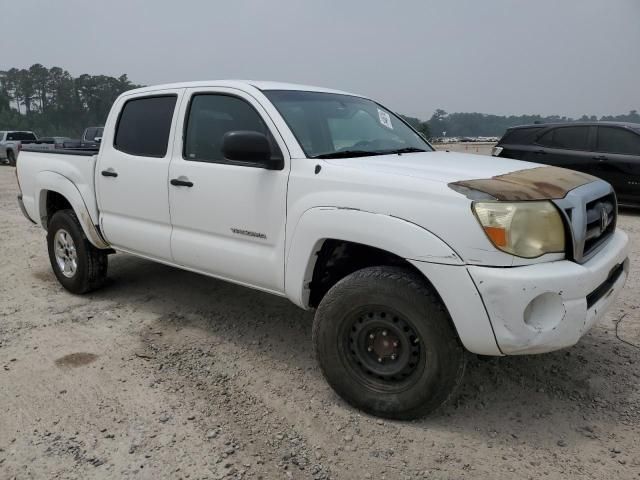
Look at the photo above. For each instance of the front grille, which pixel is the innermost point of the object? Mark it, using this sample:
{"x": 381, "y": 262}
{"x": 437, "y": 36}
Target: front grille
{"x": 590, "y": 216}
{"x": 601, "y": 222}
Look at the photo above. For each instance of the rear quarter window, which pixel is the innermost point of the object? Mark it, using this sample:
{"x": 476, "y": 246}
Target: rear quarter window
{"x": 144, "y": 125}
{"x": 521, "y": 136}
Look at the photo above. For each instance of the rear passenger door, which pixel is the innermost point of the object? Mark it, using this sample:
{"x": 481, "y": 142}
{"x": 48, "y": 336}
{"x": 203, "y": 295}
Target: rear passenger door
{"x": 567, "y": 147}
{"x": 132, "y": 174}
{"x": 618, "y": 157}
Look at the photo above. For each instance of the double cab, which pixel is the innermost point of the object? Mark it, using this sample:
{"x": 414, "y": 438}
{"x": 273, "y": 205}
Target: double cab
{"x": 411, "y": 258}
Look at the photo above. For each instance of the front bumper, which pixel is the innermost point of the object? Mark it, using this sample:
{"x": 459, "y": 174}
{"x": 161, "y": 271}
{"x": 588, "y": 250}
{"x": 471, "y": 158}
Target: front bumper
{"x": 548, "y": 306}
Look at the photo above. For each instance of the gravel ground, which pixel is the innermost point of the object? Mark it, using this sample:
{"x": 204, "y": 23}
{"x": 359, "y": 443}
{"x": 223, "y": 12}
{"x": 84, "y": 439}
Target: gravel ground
{"x": 169, "y": 374}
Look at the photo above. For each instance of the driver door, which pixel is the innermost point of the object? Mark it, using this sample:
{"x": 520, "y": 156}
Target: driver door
{"x": 228, "y": 218}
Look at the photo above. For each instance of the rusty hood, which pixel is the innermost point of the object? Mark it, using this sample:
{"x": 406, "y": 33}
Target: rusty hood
{"x": 539, "y": 183}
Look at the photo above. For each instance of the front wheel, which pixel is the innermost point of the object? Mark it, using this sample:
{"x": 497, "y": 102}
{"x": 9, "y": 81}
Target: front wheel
{"x": 385, "y": 343}
{"x": 78, "y": 265}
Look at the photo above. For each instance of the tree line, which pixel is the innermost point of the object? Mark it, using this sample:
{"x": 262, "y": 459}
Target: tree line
{"x": 50, "y": 101}
{"x": 485, "y": 125}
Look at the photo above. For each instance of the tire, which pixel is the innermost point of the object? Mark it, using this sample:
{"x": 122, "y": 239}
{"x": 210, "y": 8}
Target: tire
{"x": 67, "y": 242}
{"x": 386, "y": 345}
{"x": 11, "y": 158}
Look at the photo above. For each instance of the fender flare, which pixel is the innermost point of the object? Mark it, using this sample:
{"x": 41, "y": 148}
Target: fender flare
{"x": 54, "y": 182}
{"x": 392, "y": 234}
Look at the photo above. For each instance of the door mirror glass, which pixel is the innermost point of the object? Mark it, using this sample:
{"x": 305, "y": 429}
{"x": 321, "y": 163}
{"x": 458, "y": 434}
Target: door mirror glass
{"x": 249, "y": 146}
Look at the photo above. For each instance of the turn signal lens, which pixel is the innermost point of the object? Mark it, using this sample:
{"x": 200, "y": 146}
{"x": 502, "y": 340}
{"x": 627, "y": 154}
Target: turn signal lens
{"x": 497, "y": 235}
{"x": 524, "y": 229}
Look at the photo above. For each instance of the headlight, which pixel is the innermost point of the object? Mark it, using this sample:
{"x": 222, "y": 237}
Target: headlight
{"x": 525, "y": 229}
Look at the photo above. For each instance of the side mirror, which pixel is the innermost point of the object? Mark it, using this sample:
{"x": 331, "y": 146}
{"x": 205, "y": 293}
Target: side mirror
{"x": 250, "y": 146}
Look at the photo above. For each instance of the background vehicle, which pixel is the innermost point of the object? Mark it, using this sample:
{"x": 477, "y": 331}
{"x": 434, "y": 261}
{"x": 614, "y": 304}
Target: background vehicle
{"x": 58, "y": 142}
{"x": 334, "y": 202}
{"x": 11, "y": 143}
{"x": 91, "y": 137}
{"x": 50, "y": 143}
{"x": 609, "y": 150}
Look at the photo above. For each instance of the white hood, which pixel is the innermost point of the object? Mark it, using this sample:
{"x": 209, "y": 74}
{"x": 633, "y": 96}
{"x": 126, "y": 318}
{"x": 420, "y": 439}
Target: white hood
{"x": 445, "y": 167}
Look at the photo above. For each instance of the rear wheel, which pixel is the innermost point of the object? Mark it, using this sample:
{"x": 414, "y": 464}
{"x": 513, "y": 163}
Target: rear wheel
{"x": 11, "y": 158}
{"x": 78, "y": 265}
{"x": 385, "y": 343}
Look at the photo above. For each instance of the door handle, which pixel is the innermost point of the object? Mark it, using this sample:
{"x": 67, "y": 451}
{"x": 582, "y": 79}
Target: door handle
{"x": 601, "y": 158}
{"x": 109, "y": 173}
{"x": 541, "y": 152}
{"x": 176, "y": 182}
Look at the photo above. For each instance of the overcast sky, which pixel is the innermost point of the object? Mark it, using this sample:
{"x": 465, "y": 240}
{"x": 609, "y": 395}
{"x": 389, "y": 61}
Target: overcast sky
{"x": 565, "y": 57}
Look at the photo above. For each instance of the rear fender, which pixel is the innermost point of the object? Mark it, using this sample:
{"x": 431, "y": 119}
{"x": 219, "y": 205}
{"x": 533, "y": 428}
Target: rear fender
{"x": 54, "y": 182}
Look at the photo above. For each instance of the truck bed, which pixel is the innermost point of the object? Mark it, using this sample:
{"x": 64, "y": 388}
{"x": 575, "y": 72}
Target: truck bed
{"x": 87, "y": 152}
{"x": 70, "y": 165}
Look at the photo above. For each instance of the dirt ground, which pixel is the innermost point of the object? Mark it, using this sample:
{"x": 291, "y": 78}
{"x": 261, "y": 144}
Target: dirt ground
{"x": 169, "y": 374}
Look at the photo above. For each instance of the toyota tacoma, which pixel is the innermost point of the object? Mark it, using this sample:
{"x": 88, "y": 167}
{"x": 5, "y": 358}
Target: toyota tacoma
{"x": 410, "y": 257}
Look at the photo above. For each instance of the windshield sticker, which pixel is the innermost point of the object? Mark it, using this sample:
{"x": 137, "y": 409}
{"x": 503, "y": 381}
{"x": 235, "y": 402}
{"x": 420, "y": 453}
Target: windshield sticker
{"x": 385, "y": 119}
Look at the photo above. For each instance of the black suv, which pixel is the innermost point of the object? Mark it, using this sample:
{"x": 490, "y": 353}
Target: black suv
{"x": 609, "y": 150}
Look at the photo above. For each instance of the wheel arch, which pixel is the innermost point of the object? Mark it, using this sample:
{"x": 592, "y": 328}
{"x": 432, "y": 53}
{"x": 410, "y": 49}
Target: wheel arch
{"x": 374, "y": 239}
{"x": 57, "y": 192}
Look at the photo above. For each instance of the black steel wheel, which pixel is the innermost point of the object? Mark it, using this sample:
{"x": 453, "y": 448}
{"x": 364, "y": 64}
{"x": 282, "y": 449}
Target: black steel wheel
{"x": 382, "y": 347}
{"x": 385, "y": 343}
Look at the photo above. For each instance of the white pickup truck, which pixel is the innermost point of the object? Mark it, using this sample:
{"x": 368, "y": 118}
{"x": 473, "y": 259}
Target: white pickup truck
{"x": 11, "y": 142}
{"x": 410, "y": 257}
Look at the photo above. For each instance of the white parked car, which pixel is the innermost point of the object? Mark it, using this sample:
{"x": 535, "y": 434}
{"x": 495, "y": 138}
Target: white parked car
{"x": 410, "y": 257}
{"x": 11, "y": 143}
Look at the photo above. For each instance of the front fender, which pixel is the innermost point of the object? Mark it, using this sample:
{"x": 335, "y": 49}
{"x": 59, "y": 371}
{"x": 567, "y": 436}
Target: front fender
{"x": 51, "y": 181}
{"x": 392, "y": 234}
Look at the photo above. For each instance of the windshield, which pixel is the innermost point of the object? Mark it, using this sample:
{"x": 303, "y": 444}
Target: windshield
{"x": 332, "y": 125}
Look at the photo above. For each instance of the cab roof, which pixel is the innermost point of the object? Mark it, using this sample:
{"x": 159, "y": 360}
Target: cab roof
{"x": 240, "y": 84}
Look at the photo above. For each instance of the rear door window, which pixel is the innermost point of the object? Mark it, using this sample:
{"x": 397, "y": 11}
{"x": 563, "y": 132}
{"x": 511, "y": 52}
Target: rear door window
{"x": 570, "y": 138}
{"x": 618, "y": 140}
{"x": 144, "y": 125}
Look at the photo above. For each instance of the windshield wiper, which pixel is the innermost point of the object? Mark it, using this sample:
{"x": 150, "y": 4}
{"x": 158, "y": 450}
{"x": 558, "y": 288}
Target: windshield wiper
{"x": 349, "y": 153}
{"x": 403, "y": 150}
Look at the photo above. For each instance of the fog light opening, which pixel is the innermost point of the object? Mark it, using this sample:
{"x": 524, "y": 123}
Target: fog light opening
{"x": 544, "y": 312}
